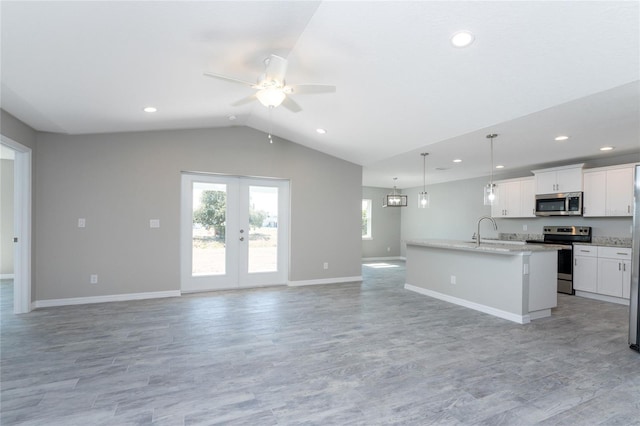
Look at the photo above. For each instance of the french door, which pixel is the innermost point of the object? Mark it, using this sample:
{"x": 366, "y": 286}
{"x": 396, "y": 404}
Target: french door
{"x": 234, "y": 232}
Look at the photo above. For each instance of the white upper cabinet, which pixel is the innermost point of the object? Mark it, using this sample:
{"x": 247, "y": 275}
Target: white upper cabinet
{"x": 514, "y": 198}
{"x": 619, "y": 192}
{"x": 608, "y": 191}
{"x": 595, "y": 193}
{"x": 559, "y": 179}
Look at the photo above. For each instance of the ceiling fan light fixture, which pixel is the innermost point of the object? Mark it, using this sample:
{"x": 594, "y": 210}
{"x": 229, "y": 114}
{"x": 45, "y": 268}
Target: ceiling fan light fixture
{"x": 271, "y": 96}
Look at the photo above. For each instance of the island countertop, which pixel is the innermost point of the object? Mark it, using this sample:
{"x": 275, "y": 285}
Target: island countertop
{"x": 494, "y": 246}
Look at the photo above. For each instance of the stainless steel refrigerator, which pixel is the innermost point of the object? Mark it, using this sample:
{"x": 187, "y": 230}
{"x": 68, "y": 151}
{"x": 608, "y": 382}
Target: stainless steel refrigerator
{"x": 634, "y": 306}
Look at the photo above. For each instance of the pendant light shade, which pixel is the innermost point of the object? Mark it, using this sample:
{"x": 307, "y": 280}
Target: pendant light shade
{"x": 490, "y": 188}
{"x": 394, "y": 199}
{"x": 423, "y": 199}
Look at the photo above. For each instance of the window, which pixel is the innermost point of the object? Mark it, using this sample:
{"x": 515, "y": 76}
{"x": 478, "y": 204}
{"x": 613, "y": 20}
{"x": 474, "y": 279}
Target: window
{"x": 366, "y": 219}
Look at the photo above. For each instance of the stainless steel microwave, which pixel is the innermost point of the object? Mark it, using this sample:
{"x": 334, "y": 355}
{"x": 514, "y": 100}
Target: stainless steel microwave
{"x": 564, "y": 204}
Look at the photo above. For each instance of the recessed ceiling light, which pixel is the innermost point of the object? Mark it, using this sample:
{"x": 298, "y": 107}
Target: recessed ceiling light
{"x": 606, "y": 148}
{"x": 462, "y": 39}
{"x": 321, "y": 131}
{"x": 457, "y": 160}
{"x": 562, "y": 138}
{"x": 499, "y": 166}
{"x": 150, "y": 109}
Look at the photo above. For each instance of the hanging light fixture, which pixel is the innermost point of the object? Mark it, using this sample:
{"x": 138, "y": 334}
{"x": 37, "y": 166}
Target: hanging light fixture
{"x": 271, "y": 96}
{"x": 423, "y": 200}
{"x": 394, "y": 199}
{"x": 490, "y": 189}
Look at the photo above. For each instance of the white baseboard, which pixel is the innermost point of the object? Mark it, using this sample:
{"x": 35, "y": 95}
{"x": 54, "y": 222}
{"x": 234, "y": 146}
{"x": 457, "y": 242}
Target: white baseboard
{"x": 324, "y": 281}
{"x": 102, "y": 299}
{"x": 7, "y": 276}
{"x": 375, "y": 259}
{"x": 602, "y": 297}
{"x": 520, "y": 319}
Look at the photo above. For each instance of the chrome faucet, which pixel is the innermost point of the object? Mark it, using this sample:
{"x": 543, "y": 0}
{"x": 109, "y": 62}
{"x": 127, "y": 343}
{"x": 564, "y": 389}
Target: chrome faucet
{"x": 495, "y": 227}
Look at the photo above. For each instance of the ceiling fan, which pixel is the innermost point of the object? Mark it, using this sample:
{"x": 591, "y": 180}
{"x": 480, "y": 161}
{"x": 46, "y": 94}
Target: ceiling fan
{"x": 272, "y": 90}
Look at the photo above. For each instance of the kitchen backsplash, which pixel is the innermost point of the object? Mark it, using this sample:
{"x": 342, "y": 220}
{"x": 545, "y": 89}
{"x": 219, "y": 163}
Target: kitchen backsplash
{"x": 518, "y": 237}
{"x": 611, "y": 241}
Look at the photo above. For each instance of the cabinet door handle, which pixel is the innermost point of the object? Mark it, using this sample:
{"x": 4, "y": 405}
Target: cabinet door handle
{"x": 619, "y": 268}
{"x": 624, "y": 266}
{"x": 628, "y": 208}
{"x": 575, "y": 262}
{"x": 621, "y": 254}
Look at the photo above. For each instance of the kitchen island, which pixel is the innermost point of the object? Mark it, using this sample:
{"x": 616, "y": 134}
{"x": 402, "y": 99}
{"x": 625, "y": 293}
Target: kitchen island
{"x": 516, "y": 282}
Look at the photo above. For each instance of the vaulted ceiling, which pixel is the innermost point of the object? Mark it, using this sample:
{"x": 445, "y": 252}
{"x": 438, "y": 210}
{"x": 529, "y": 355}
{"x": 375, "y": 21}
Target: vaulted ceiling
{"x": 536, "y": 70}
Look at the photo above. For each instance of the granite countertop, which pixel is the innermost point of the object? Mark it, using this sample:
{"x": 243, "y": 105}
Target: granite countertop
{"x": 603, "y": 241}
{"x": 621, "y": 244}
{"x": 513, "y": 248}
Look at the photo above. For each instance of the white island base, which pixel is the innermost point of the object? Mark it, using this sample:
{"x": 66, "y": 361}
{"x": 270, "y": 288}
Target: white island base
{"x": 517, "y": 283}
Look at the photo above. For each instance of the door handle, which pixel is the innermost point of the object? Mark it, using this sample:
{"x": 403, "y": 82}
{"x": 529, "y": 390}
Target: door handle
{"x": 241, "y": 238}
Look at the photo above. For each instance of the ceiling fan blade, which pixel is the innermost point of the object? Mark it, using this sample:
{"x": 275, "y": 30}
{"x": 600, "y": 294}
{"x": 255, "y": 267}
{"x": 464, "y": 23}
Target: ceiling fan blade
{"x": 230, "y": 79}
{"x": 244, "y": 101}
{"x": 291, "y": 105}
{"x": 301, "y": 89}
{"x": 276, "y": 68}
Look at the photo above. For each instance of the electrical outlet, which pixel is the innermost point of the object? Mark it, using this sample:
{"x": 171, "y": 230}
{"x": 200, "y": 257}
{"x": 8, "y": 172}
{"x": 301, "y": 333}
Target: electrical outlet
{"x": 388, "y": 249}
{"x": 524, "y": 227}
{"x": 326, "y": 265}
{"x": 93, "y": 279}
{"x": 154, "y": 223}
{"x": 82, "y": 222}
{"x": 453, "y": 279}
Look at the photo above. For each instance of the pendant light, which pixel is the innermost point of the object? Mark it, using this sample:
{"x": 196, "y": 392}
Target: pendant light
{"x": 490, "y": 189}
{"x": 394, "y": 199}
{"x": 423, "y": 200}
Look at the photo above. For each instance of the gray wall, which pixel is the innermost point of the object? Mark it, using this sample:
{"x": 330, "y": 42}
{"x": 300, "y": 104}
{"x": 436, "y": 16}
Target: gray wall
{"x": 453, "y": 213}
{"x": 120, "y": 181}
{"x": 6, "y": 217}
{"x": 385, "y": 226}
{"x": 15, "y": 129}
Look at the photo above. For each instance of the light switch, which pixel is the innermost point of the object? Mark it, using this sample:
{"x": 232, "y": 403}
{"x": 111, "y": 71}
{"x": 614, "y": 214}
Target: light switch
{"x": 154, "y": 223}
{"x": 82, "y": 222}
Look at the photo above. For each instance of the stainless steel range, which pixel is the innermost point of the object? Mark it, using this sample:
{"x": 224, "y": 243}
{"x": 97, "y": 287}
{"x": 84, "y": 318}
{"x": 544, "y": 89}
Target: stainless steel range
{"x": 565, "y": 236}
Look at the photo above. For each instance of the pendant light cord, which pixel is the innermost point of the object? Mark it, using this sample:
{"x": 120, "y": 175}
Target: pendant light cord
{"x": 424, "y": 171}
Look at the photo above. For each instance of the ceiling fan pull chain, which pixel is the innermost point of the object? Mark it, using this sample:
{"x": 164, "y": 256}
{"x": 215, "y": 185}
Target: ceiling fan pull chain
{"x": 270, "y": 124}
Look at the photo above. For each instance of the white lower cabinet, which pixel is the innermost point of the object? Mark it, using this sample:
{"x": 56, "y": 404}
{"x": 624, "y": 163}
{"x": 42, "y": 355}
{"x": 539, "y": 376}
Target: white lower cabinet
{"x": 602, "y": 270}
{"x": 585, "y": 268}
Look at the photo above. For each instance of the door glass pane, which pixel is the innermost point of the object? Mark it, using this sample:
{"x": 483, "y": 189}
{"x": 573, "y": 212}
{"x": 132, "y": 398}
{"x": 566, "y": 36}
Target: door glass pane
{"x": 263, "y": 229}
{"x": 209, "y": 226}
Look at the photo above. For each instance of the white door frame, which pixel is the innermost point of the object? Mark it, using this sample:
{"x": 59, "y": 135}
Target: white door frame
{"x": 234, "y": 277}
{"x": 22, "y": 226}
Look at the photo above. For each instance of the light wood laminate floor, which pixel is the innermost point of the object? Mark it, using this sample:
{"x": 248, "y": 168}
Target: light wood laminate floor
{"x": 367, "y": 353}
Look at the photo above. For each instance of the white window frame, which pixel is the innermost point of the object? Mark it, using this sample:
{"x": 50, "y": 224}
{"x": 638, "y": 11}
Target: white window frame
{"x": 368, "y": 205}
